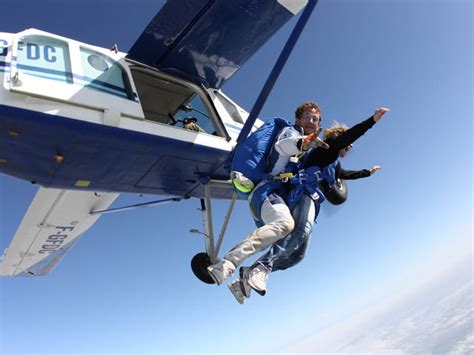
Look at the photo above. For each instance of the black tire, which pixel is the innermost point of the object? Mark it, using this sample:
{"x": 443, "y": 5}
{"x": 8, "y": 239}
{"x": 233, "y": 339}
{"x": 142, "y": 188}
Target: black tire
{"x": 199, "y": 264}
{"x": 337, "y": 194}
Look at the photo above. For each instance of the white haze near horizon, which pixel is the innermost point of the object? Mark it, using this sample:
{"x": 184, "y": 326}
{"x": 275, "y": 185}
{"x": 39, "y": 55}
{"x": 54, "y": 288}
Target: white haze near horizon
{"x": 432, "y": 316}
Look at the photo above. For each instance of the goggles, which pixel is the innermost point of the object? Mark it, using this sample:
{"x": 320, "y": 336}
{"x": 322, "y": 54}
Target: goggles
{"x": 311, "y": 116}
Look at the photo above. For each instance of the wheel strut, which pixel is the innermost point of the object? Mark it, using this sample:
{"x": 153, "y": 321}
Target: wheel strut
{"x": 201, "y": 261}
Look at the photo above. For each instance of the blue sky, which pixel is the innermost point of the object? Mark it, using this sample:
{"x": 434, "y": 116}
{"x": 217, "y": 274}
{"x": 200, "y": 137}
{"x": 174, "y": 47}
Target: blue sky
{"x": 127, "y": 286}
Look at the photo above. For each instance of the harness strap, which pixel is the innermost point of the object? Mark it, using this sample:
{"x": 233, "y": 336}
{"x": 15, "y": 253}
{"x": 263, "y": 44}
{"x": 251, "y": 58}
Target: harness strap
{"x": 283, "y": 177}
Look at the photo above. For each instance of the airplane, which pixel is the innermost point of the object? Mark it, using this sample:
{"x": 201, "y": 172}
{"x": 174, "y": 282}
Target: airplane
{"x": 87, "y": 123}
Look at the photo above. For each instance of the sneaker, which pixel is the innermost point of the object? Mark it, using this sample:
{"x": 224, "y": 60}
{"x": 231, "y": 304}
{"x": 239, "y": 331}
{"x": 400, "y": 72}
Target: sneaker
{"x": 257, "y": 278}
{"x": 236, "y": 290}
{"x": 244, "y": 281}
{"x": 221, "y": 270}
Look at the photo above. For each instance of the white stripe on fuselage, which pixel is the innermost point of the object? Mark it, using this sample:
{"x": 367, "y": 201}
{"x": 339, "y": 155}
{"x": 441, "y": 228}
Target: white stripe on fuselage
{"x": 93, "y": 116}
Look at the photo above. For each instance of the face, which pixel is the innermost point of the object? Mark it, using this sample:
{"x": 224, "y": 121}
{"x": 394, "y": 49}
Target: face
{"x": 343, "y": 152}
{"x": 309, "y": 121}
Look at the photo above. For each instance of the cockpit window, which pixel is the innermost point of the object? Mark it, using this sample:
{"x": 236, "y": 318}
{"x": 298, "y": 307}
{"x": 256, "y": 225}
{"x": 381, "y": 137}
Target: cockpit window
{"x": 44, "y": 57}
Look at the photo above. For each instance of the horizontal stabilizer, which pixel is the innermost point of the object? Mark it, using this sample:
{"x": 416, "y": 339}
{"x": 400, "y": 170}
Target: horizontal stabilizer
{"x": 52, "y": 224}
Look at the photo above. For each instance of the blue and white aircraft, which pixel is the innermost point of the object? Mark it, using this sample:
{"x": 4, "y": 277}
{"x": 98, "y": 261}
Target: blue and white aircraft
{"x": 87, "y": 123}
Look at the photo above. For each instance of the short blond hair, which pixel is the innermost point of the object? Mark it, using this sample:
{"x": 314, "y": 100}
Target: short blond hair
{"x": 305, "y": 107}
{"x": 334, "y": 131}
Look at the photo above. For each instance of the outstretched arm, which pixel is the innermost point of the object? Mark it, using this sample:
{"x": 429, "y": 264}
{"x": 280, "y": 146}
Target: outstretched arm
{"x": 355, "y": 132}
{"x": 355, "y": 174}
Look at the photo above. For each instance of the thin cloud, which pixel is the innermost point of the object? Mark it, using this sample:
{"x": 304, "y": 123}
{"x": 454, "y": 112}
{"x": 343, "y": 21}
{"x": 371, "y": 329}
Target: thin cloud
{"x": 435, "y": 318}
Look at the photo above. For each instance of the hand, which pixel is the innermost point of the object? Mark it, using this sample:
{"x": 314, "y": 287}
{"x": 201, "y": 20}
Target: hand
{"x": 379, "y": 113}
{"x": 374, "y": 169}
{"x": 312, "y": 141}
{"x": 241, "y": 182}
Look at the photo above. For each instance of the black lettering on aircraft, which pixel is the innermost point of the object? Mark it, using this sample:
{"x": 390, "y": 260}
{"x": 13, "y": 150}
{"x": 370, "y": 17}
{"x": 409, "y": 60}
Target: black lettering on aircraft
{"x": 33, "y": 52}
{"x": 55, "y": 241}
{"x": 48, "y": 50}
{"x": 57, "y": 237}
{"x": 64, "y": 229}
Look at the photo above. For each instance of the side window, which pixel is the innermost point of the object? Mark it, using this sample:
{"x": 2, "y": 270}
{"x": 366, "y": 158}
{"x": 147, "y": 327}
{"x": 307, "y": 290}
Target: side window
{"x": 44, "y": 57}
{"x": 103, "y": 74}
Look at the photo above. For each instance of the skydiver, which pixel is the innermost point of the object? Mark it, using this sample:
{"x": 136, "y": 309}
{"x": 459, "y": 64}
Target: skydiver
{"x": 266, "y": 202}
{"x": 290, "y": 250}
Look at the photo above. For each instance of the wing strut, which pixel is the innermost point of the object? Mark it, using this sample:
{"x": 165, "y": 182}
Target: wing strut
{"x": 138, "y": 205}
{"x": 272, "y": 78}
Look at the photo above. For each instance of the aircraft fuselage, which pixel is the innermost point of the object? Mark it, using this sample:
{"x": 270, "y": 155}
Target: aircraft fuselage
{"x": 76, "y": 116}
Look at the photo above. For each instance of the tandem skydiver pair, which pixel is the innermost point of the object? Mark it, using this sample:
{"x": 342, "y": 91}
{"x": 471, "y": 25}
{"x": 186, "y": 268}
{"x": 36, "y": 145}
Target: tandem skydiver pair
{"x": 283, "y": 167}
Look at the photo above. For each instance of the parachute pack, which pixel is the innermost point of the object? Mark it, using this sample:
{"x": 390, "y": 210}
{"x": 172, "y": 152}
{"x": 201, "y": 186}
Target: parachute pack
{"x": 251, "y": 155}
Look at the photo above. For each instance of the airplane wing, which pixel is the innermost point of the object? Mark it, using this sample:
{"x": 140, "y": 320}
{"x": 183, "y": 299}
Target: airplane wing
{"x": 50, "y": 227}
{"x": 207, "y": 41}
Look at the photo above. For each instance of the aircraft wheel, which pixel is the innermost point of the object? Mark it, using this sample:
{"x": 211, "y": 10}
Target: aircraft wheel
{"x": 337, "y": 194}
{"x": 199, "y": 264}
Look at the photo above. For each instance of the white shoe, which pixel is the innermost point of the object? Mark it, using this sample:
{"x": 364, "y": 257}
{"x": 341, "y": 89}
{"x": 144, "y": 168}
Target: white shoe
{"x": 221, "y": 270}
{"x": 244, "y": 281}
{"x": 257, "y": 278}
{"x": 236, "y": 290}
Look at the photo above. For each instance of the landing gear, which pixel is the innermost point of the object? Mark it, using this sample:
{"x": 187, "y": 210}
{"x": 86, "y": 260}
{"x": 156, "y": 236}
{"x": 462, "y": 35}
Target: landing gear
{"x": 201, "y": 261}
{"x": 199, "y": 265}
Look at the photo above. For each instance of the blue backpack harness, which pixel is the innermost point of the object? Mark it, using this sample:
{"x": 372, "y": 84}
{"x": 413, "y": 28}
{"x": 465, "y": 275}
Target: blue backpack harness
{"x": 251, "y": 155}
